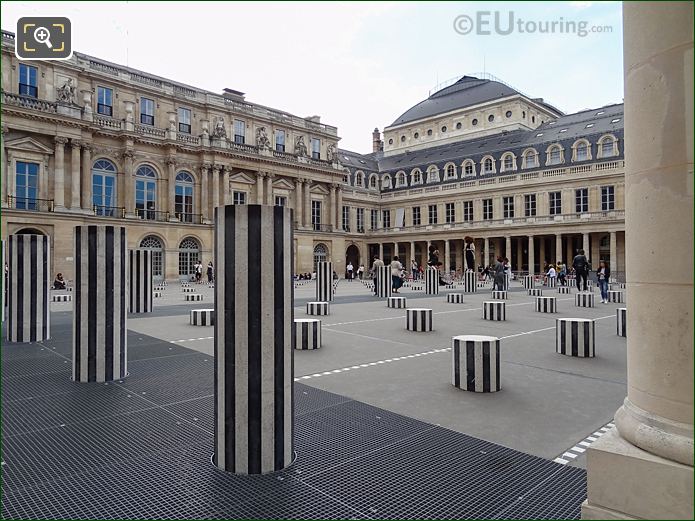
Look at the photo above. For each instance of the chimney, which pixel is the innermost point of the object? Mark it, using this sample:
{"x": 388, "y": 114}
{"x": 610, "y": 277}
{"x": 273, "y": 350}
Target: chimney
{"x": 377, "y": 143}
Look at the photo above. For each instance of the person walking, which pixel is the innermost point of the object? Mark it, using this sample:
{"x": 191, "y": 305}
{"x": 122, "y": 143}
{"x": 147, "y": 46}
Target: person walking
{"x": 551, "y": 275}
{"x": 396, "y": 269}
{"x": 507, "y": 273}
{"x": 414, "y": 269}
{"x": 562, "y": 273}
{"x": 469, "y": 253}
{"x": 602, "y": 274}
{"x": 360, "y": 271}
{"x": 498, "y": 282}
{"x": 375, "y": 267}
{"x": 350, "y": 268}
{"x": 581, "y": 269}
{"x": 211, "y": 273}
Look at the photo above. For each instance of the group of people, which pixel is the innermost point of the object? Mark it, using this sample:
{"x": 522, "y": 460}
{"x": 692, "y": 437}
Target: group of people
{"x": 198, "y": 272}
{"x": 350, "y": 272}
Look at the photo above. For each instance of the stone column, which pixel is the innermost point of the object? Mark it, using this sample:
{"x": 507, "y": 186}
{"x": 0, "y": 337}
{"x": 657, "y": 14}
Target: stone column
{"x": 253, "y": 339}
{"x": 613, "y": 266}
{"x": 75, "y": 173}
{"x": 171, "y": 184}
{"x": 644, "y": 468}
{"x": 260, "y": 178}
{"x": 381, "y": 251}
{"x": 486, "y": 252}
{"x": 307, "y": 203}
{"x": 508, "y": 248}
{"x": 570, "y": 252}
{"x": 395, "y": 249}
{"x": 531, "y": 256}
{"x": 519, "y": 254}
{"x": 541, "y": 253}
{"x": 86, "y": 184}
{"x": 412, "y": 255}
{"x": 558, "y": 247}
{"x": 447, "y": 256}
{"x": 585, "y": 245}
{"x": 204, "y": 189}
{"x": 127, "y": 188}
{"x": 339, "y": 202}
{"x": 299, "y": 205}
{"x": 216, "y": 185}
{"x": 226, "y": 187}
{"x": 3, "y": 168}
{"x": 59, "y": 173}
{"x": 336, "y": 213}
{"x": 269, "y": 195}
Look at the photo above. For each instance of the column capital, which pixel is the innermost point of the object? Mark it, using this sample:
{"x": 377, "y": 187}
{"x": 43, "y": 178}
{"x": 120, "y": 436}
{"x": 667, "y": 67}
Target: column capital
{"x": 87, "y": 147}
{"x": 74, "y": 143}
{"x": 128, "y": 155}
{"x": 205, "y": 166}
{"x": 170, "y": 161}
{"x": 216, "y": 167}
{"x": 60, "y": 140}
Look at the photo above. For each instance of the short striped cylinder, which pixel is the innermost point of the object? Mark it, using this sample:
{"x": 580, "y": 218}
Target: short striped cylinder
{"x": 546, "y": 304}
{"x": 396, "y": 302}
{"x": 163, "y": 282}
{"x": 62, "y": 298}
{"x": 455, "y": 298}
{"x": 99, "y": 313}
{"x": 318, "y": 308}
{"x": 622, "y": 285}
{"x": 157, "y": 294}
{"x": 28, "y": 288}
{"x": 470, "y": 282}
{"x": 476, "y": 363}
{"x": 552, "y": 282}
{"x": 253, "y": 259}
{"x": 499, "y": 294}
{"x": 418, "y": 319}
{"x": 575, "y": 337}
{"x": 621, "y": 321}
{"x": 534, "y": 292}
{"x": 307, "y": 333}
{"x": 449, "y": 286}
{"x": 324, "y": 281}
{"x": 529, "y": 281}
{"x": 482, "y": 284}
{"x": 564, "y": 290}
{"x": 193, "y": 297}
{"x": 416, "y": 288}
{"x": 572, "y": 283}
{"x": 185, "y": 284}
{"x": 584, "y": 299}
{"x": 505, "y": 283}
{"x": 202, "y": 317}
{"x": 431, "y": 281}
{"x": 140, "y": 279}
{"x": 494, "y": 310}
{"x": 616, "y": 296}
{"x": 383, "y": 281}
{"x": 159, "y": 288}
{"x": 188, "y": 290}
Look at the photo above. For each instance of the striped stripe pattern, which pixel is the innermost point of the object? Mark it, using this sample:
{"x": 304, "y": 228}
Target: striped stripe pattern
{"x": 324, "y": 281}
{"x": 99, "y": 352}
{"x": 621, "y": 321}
{"x": 396, "y": 302}
{"x": 476, "y": 363}
{"x": 62, "y": 298}
{"x": 616, "y": 296}
{"x": 552, "y": 282}
{"x": 584, "y": 299}
{"x": 193, "y": 297}
{"x": 580, "y": 448}
{"x": 254, "y": 371}
{"x": 318, "y": 308}
{"x": 202, "y": 317}
{"x": 575, "y": 337}
{"x": 185, "y": 284}
{"x": 493, "y": 310}
{"x": 187, "y": 289}
{"x": 499, "y": 294}
{"x": 140, "y": 288}
{"x": 431, "y": 281}
{"x": 546, "y": 304}
{"x": 3, "y": 282}
{"x": 455, "y": 298}
{"x": 383, "y": 281}
{"x": 535, "y": 292}
{"x": 564, "y": 290}
{"x": 157, "y": 294}
{"x": 307, "y": 333}
{"x": 529, "y": 281}
{"x": 29, "y": 263}
{"x": 572, "y": 283}
{"x": 418, "y": 319}
{"x": 470, "y": 282}
{"x": 159, "y": 288}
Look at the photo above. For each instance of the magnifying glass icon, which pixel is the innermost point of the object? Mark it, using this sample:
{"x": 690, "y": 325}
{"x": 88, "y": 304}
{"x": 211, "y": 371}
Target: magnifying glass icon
{"x": 42, "y": 35}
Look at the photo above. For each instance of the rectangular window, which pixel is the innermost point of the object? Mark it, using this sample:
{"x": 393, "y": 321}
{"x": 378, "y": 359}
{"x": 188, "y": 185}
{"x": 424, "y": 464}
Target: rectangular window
{"x": 450, "y": 213}
{"x": 346, "y": 218}
{"x": 607, "y": 198}
{"x": 508, "y": 207}
{"x": 28, "y": 85}
{"x": 239, "y": 132}
{"x": 467, "y": 210}
{"x": 146, "y": 111}
{"x": 280, "y": 200}
{"x": 373, "y": 219}
{"x": 581, "y": 196}
{"x": 487, "y": 209}
{"x": 316, "y": 215}
{"x": 555, "y": 203}
{"x": 280, "y": 140}
{"x": 238, "y": 197}
{"x": 417, "y": 218}
{"x": 360, "y": 220}
{"x": 105, "y": 101}
{"x": 315, "y": 148}
{"x": 184, "y": 120}
{"x": 530, "y": 205}
{"x": 183, "y": 202}
{"x": 386, "y": 218}
{"x": 26, "y": 185}
{"x": 432, "y": 213}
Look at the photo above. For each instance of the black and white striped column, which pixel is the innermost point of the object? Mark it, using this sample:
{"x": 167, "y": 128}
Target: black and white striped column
{"x": 431, "y": 281}
{"x": 621, "y": 321}
{"x": 546, "y": 304}
{"x": 494, "y": 310}
{"x": 383, "y": 281}
{"x": 564, "y": 290}
{"x": 202, "y": 317}
{"x": 3, "y": 282}
{"x": 552, "y": 282}
{"x": 499, "y": 294}
{"x": 396, "y": 302}
{"x": 529, "y": 281}
{"x": 535, "y": 292}
{"x": 318, "y": 308}
{"x": 616, "y": 296}
{"x": 575, "y": 337}
{"x": 476, "y": 363}
{"x": 99, "y": 352}
{"x": 307, "y": 333}
{"x": 140, "y": 278}
{"x": 28, "y": 288}
{"x": 572, "y": 283}
{"x": 62, "y": 298}
{"x": 584, "y": 299}
{"x": 253, "y": 338}
{"x": 418, "y": 319}
{"x": 455, "y": 298}
{"x": 324, "y": 281}
{"x": 470, "y": 282}
{"x": 187, "y": 289}
{"x": 193, "y": 297}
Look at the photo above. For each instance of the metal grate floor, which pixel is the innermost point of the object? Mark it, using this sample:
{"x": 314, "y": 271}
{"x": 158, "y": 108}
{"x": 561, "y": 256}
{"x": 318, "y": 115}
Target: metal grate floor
{"x": 141, "y": 449}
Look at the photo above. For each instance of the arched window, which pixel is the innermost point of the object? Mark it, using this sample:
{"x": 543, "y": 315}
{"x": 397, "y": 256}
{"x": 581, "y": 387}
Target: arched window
{"x": 386, "y": 181}
{"x": 607, "y": 147}
{"x": 154, "y": 244}
{"x": 450, "y": 172}
{"x": 146, "y": 193}
{"x": 432, "y": 174}
{"x": 416, "y": 177}
{"x": 29, "y": 231}
{"x": 104, "y": 188}
{"x": 189, "y": 254}
{"x": 554, "y": 154}
{"x": 372, "y": 181}
{"x": 320, "y": 254}
{"x": 488, "y": 165}
{"x": 468, "y": 168}
{"x": 183, "y": 202}
{"x": 346, "y": 177}
{"x": 508, "y": 163}
{"x": 530, "y": 158}
{"x": 400, "y": 179}
{"x": 359, "y": 179}
{"x": 582, "y": 152}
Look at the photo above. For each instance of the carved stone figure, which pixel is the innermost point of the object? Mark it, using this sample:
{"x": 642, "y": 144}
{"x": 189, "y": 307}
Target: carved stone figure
{"x": 219, "y": 131}
{"x": 66, "y": 93}
{"x": 262, "y": 140}
{"x": 300, "y": 147}
{"x": 332, "y": 153}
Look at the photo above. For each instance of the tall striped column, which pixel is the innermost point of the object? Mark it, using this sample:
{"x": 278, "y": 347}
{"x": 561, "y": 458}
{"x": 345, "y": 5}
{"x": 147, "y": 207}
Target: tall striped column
{"x": 470, "y": 282}
{"x": 324, "y": 281}
{"x": 383, "y": 281}
{"x": 3, "y": 261}
{"x": 253, "y": 339}
{"x": 140, "y": 278}
{"x": 431, "y": 281}
{"x": 28, "y": 288}
{"x": 99, "y": 349}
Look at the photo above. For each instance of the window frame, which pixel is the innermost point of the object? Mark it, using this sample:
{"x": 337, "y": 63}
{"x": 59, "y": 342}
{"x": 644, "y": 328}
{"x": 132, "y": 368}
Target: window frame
{"x": 238, "y": 197}
{"x": 581, "y": 200}
{"x": 183, "y": 127}
{"x": 31, "y": 90}
{"x": 608, "y": 198}
{"x": 315, "y": 144}
{"x": 239, "y": 125}
{"x": 530, "y": 205}
{"x": 468, "y": 215}
{"x": 145, "y": 118}
{"x": 508, "y": 206}
{"x": 417, "y": 216}
{"x": 432, "y": 214}
{"x": 279, "y": 143}
{"x": 555, "y": 203}
{"x": 102, "y": 107}
{"x": 449, "y": 213}
{"x": 488, "y": 210}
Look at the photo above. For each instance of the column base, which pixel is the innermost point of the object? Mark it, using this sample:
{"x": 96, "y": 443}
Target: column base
{"x": 626, "y": 482}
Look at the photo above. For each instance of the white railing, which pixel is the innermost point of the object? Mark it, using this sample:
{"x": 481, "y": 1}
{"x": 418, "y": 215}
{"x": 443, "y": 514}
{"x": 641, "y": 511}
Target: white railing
{"x": 29, "y": 103}
{"x": 150, "y": 131}
{"x": 187, "y": 139}
{"x": 107, "y": 122}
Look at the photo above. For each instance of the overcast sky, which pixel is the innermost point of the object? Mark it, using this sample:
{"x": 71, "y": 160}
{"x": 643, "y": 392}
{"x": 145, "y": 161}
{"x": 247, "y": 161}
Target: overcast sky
{"x": 357, "y": 65}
